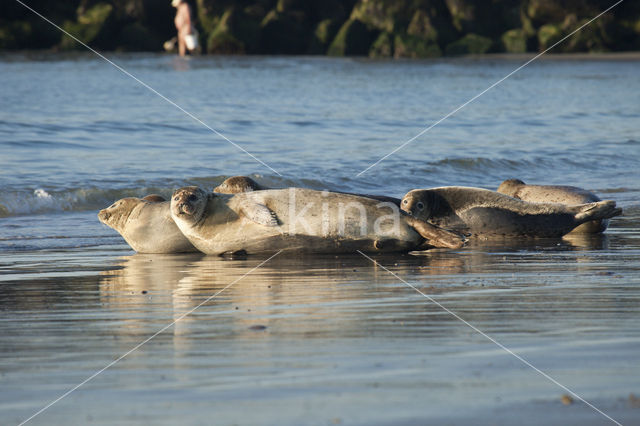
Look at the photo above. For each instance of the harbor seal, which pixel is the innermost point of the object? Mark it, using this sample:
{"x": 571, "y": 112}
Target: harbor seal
{"x": 484, "y": 213}
{"x": 300, "y": 220}
{"x": 555, "y": 194}
{"x": 154, "y": 198}
{"x": 240, "y": 184}
{"x": 146, "y": 226}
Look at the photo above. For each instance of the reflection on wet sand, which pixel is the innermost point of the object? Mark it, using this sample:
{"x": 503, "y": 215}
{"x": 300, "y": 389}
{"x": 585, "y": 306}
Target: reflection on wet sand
{"x": 333, "y": 290}
{"x": 336, "y": 331}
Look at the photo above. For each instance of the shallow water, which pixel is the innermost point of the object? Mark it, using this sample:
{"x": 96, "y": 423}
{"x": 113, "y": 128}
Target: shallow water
{"x": 324, "y": 339}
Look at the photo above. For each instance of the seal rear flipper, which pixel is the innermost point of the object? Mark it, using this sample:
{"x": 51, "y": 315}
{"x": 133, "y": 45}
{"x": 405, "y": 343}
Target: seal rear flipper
{"x": 259, "y": 213}
{"x": 436, "y": 237}
{"x": 599, "y": 210}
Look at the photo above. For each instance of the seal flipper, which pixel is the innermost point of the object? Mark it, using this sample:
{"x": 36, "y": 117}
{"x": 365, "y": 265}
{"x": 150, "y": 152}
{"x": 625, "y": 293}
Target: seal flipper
{"x": 436, "y": 237}
{"x": 599, "y": 210}
{"x": 259, "y": 213}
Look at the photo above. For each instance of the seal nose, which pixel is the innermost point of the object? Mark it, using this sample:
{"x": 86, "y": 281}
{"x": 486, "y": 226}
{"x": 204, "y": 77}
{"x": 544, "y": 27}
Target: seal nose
{"x": 185, "y": 207}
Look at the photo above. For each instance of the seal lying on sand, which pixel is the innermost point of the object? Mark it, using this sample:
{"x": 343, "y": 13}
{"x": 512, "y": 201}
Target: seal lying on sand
{"x": 301, "y": 220}
{"x": 239, "y": 184}
{"x": 555, "y": 194}
{"x": 146, "y": 226}
{"x": 487, "y": 213}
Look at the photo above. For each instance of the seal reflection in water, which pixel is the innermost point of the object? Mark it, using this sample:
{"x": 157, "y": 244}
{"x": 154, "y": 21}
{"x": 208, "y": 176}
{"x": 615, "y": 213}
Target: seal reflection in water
{"x": 562, "y": 194}
{"x": 146, "y": 226}
{"x": 301, "y": 220}
{"x": 484, "y": 213}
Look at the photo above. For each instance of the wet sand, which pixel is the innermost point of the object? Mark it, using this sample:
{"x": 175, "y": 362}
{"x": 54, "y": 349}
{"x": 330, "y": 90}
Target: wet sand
{"x": 326, "y": 339}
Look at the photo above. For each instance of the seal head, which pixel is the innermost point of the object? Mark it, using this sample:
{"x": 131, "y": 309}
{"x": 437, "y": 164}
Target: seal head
{"x": 419, "y": 204}
{"x": 117, "y": 214}
{"x": 189, "y": 203}
{"x": 238, "y": 184}
{"x": 510, "y": 187}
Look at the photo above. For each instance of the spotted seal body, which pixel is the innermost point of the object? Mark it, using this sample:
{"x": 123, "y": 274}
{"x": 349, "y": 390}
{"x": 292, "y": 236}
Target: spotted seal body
{"x": 298, "y": 220}
{"x": 239, "y": 184}
{"x": 146, "y": 226}
{"x": 484, "y": 213}
{"x": 154, "y": 198}
{"x": 569, "y": 195}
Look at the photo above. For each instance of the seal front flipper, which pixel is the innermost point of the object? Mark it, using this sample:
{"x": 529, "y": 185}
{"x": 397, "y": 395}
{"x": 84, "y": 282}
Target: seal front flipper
{"x": 435, "y": 236}
{"x": 258, "y": 213}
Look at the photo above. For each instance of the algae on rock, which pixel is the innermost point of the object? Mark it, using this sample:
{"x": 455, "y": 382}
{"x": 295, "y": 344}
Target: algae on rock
{"x": 352, "y": 39}
{"x": 471, "y": 44}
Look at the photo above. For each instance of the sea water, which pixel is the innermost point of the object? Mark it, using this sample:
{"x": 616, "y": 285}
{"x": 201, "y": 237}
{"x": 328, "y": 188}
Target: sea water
{"x": 324, "y": 339}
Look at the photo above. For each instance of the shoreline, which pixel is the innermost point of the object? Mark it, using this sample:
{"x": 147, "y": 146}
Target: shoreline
{"x": 600, "y": 56}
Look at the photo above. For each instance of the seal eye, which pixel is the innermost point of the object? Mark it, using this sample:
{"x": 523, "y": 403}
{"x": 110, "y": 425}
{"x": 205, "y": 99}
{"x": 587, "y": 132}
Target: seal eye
{"x": 192, "y": 198}
{"x": 420, "y": 205}
{"x": 405, "y": 202}
{"x": 176, "y": 198}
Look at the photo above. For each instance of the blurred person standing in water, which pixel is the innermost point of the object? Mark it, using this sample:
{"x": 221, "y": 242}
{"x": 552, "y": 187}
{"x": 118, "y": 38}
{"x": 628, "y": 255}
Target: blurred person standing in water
{"x": 187, "y": 34}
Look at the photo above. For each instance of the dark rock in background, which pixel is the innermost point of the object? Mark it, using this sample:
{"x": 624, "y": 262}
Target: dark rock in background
{"x": 377, "y": 28}
{"x": 471, "y": 44}
{"x": 353, "y": 39}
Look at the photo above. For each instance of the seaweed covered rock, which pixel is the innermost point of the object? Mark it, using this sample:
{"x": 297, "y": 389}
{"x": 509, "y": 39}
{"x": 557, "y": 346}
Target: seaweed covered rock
{"x": 94, "y": 26}
{"x": 382, "y": 47}
{"x": 421, "y": 26}
{"x": 514, "y": 41}
{"x": 323, "y": 34}
{"x": 409, "y": 46}
{"x": 136, "y": 37}
{"x": 237, "y": 32}
{"x": 426, "y": 19}
{"x": 13, "y": 34}
{"x": 353, "y": 38}
{"x": 20, "y": 28}
{"x": 590, "y": 38}
{"x": 315, "y": 10}
{"x": 284, "y": 33}
{"x": 380, "y": 28}
{"x": 471, "y": 44}
{"x": 484, "y": 17}
{"x": 547, "y": 11}
{"x": 379, "y": 14}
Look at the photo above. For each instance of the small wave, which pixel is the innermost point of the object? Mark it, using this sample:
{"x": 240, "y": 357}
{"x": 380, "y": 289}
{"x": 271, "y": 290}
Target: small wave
{"x": 49, "y": 200}
{"x": 39, "y": 201}
{"x": 303, "y": 123}
{"x": 483, "y": 164}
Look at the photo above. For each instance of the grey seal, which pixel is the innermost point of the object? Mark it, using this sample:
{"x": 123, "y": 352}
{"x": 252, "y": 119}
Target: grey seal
{"x": 555, "y": 194}
{"x": 300, "y": 220}
{"x": 146, "y": 226}
{"x": 485, "y": 213}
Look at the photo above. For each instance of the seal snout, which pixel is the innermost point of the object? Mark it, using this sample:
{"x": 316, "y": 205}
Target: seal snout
{"x": 186, "y": 201}
{"x": 185, "y": 208}
{"x": 104, "y": 215}
{"x": 406, "y": 205}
